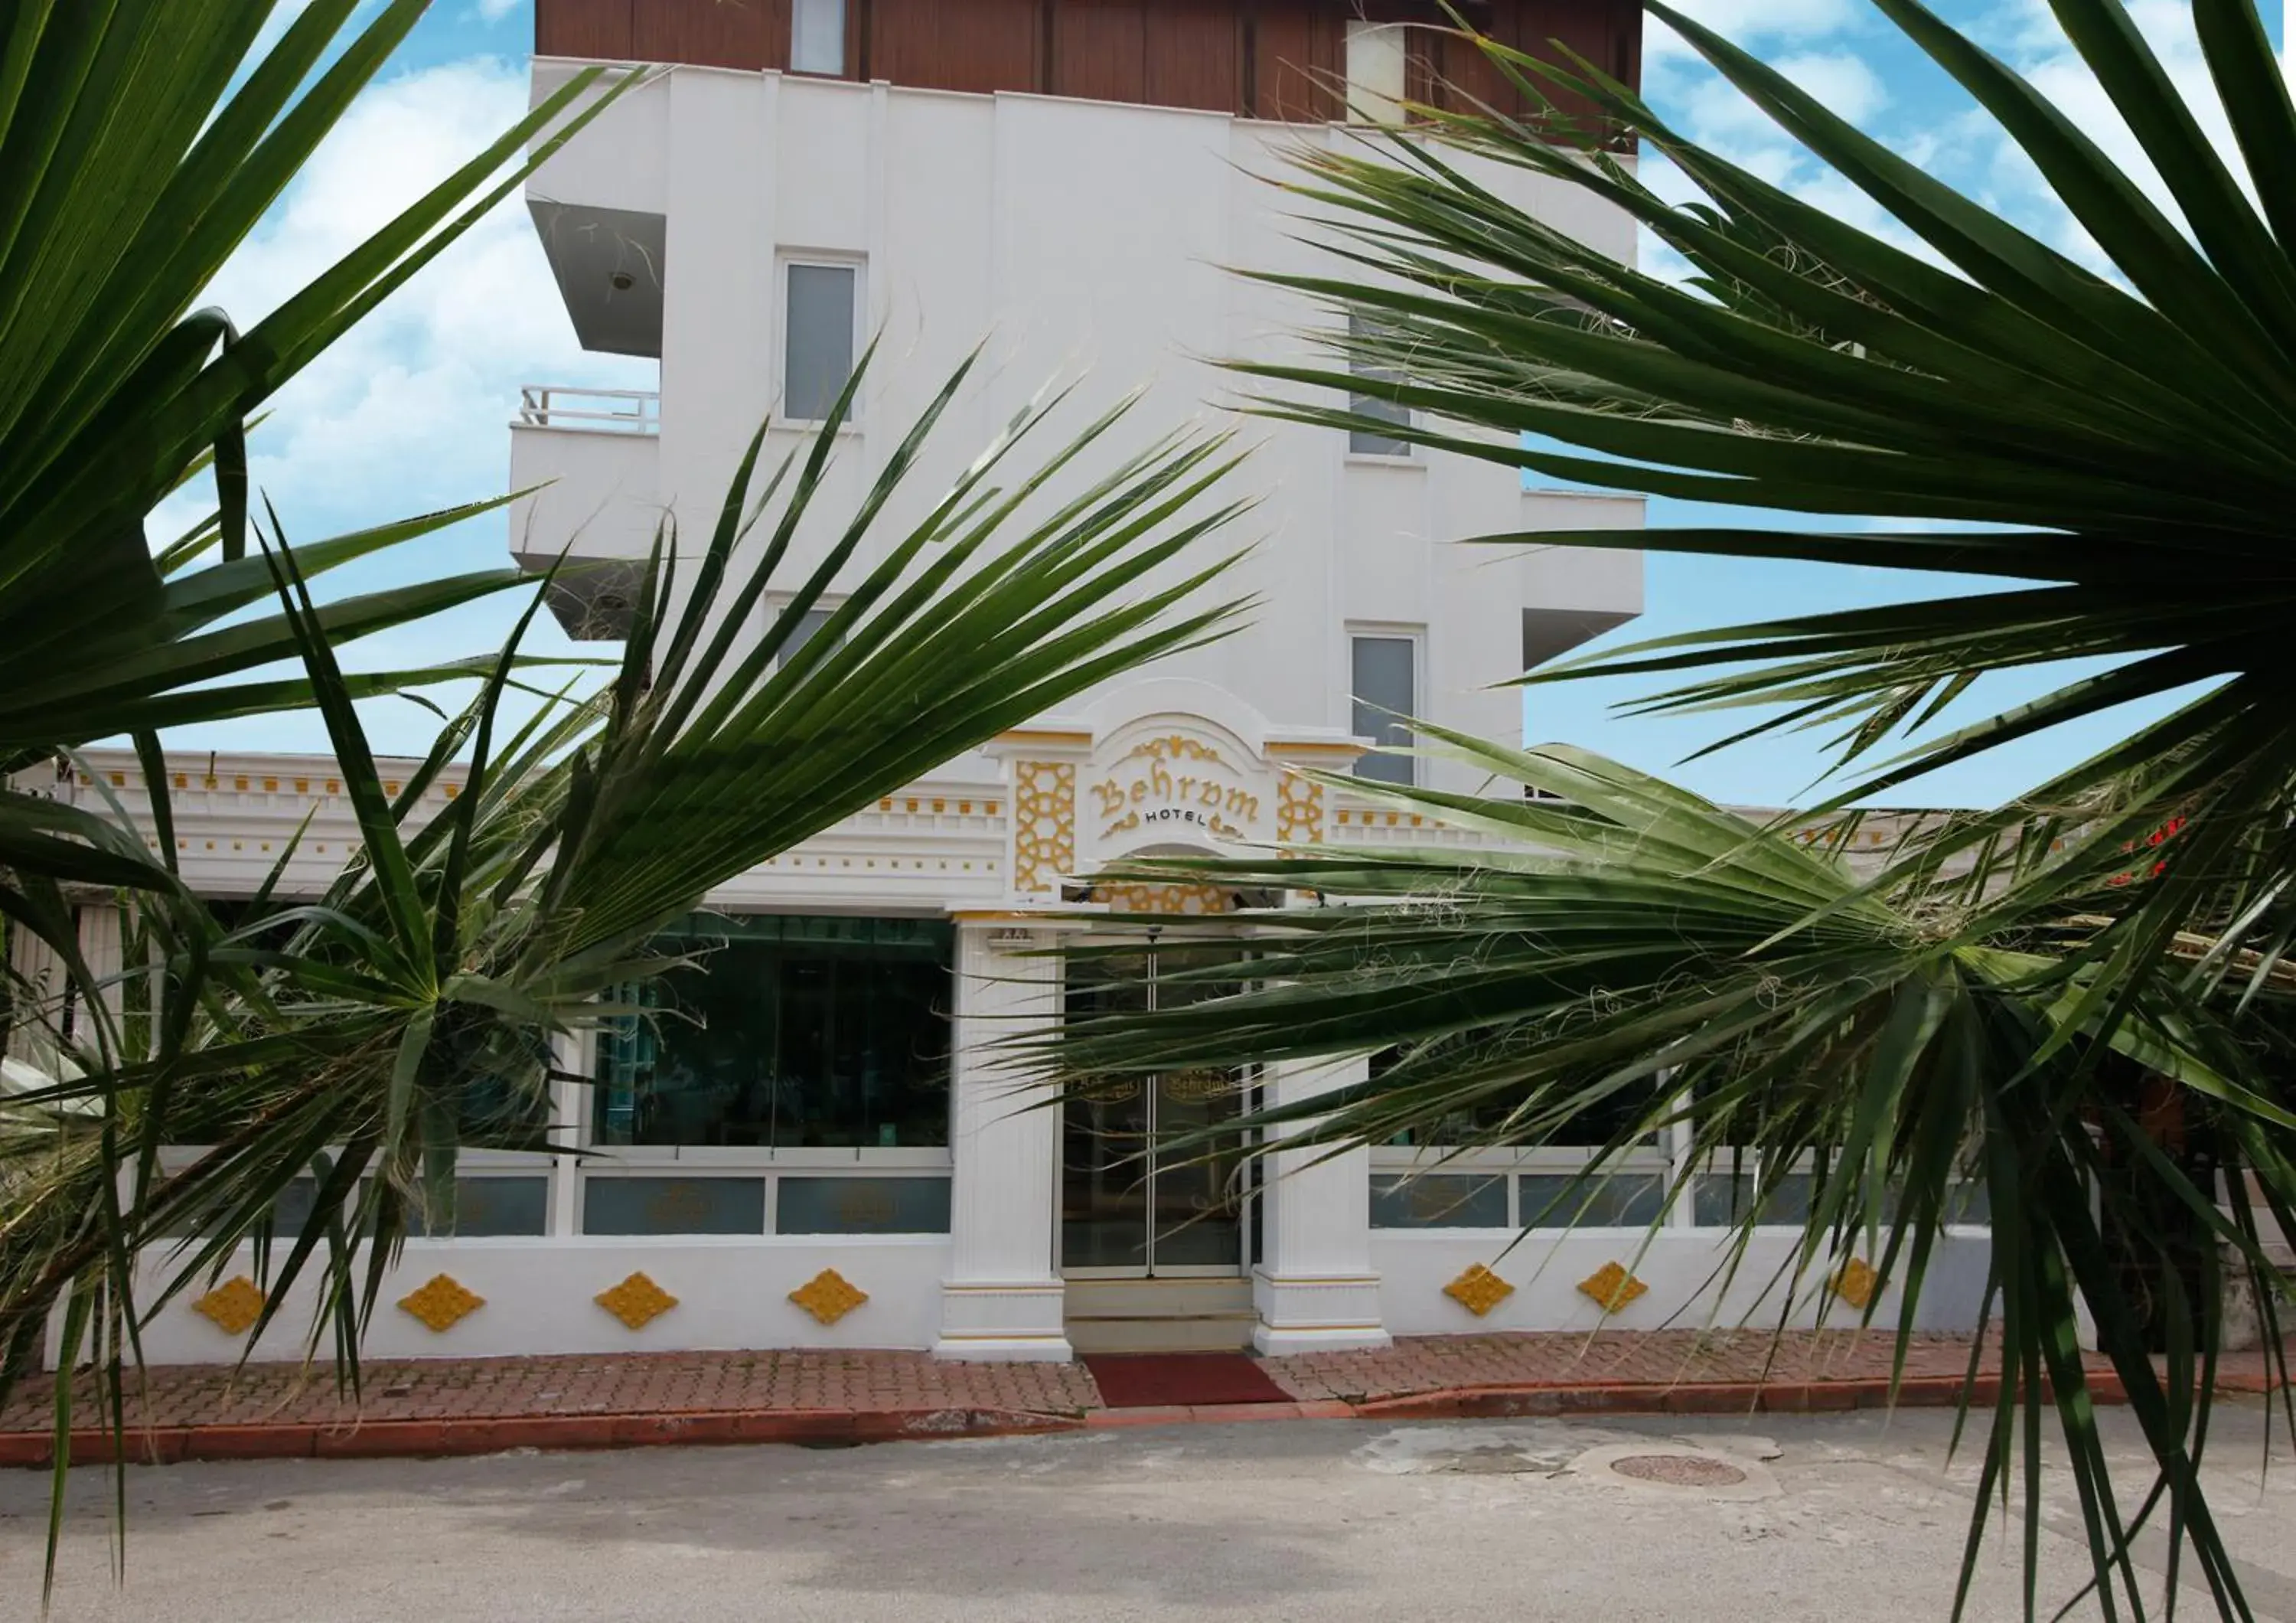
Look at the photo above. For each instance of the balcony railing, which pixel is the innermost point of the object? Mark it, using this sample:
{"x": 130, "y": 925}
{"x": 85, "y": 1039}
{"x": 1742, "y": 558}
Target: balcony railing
{"x": 601, "y": 411}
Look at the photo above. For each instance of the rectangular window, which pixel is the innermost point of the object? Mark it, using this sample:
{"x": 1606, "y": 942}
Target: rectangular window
{"x": 808, "y": 627}
{"x": 1376, "y": 67}
{"x": 673, "y": 1206}
{"x": 485, "y": 1207}
{"x": 818, "y": 1033}
{"x": 1438, "y": 1203}
{"x": 1385, "y": 681}
{"x": 862, "y": 1206}
{"x": 817, "y": 36}
{"x": 1370, "y": 442}
{"x": 817, "y": 337}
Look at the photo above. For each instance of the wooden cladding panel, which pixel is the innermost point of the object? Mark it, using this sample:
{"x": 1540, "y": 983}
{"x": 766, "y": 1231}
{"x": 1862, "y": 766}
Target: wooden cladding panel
{"x": 1296, "y": 60}
{"x": 584, "y": 28}
{"x": 1271, "y": 59}
{"x": 712, "y": 33}
{"x": 1194, "y": 55}
{"x": 976, "y": 45}
{"x": 1100, "y": 50}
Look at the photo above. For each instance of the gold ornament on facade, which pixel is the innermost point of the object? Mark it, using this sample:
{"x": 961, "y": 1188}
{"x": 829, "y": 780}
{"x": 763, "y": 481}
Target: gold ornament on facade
{"x": 1854, "y": 1282}
{"x": 1479, "y": 1290}
{"x": 1299, "y": 810}
{"x": 1190, "y": 900}
{"x": 233, "y": 1306}
{"x": 1044, "y": 823}
{"x": 828, "y": 1296}
{"x": 1612, "y": 1287}
{"x": 637, "y": 1301}
{"x": 442, "y": 1303}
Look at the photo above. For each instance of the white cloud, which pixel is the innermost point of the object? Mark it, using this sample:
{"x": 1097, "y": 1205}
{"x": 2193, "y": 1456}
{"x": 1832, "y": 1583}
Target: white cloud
{"x": 408, "y": 412}
{"x": 1748, "y": 22}
{"x": 495, "y": 10}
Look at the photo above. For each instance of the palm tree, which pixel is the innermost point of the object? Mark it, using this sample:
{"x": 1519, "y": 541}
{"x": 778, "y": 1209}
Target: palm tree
{"x": 2119, "y": 448}
{"x": 362, "y": 1038}
{"x": 141, "y": 142}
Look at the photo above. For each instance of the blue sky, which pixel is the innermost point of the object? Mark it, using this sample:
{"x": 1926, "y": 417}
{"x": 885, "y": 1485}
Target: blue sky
{"x": 409, "y": 413}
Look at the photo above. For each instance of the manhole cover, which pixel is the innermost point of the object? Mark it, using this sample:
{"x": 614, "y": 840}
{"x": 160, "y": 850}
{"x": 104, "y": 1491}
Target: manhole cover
{"x": 1678, "y": 1470}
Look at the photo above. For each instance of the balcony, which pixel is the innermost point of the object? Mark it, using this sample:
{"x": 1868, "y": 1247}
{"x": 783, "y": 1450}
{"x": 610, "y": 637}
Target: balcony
{"x": 588, "y": 464}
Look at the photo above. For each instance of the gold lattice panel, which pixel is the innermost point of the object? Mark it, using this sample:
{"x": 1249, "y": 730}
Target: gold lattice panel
{"x": 1299, "y": 810}
{"x": 828, "y": 1296}
{"x": 637, "y": 1301}
{"x": 1190, "y": 900}
{"x": 1854, "y": 1282}
{"x": 1612, "y": 1287}
{"x": 234, "y": 1305}
{"x": 1479, "y": 1290}
{"x": 1044, "y": 823}
{"x": 443, "y": 1303}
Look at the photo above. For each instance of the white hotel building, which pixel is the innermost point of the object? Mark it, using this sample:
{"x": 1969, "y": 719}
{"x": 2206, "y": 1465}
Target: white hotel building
{"x": 1068, "y": 179}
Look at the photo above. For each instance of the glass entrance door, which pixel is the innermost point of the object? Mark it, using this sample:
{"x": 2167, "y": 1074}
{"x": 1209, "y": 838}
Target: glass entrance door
{"x": 1126, "y": 1210}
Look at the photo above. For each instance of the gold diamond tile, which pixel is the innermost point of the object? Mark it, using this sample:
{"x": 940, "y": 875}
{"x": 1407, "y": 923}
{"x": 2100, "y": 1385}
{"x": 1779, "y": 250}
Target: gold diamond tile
{"x": 1612, "y": 1287}
{"x": 1855, "y": 1283}
{"x": 637, "y": 1301}
{"x": 1479, "y": 1290}
{"x": 828, "y": 1296}
{"x": 234, "y": 1305}
{"x": 442, "y": 1303}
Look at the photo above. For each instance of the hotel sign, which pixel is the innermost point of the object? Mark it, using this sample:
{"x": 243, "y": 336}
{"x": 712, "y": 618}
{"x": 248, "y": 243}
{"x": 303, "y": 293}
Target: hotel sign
{"x": 1180, "y": 784}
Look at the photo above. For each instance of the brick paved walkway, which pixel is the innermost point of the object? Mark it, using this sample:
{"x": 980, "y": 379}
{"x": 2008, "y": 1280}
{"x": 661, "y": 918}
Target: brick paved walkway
{"x": 473, "y": 1405}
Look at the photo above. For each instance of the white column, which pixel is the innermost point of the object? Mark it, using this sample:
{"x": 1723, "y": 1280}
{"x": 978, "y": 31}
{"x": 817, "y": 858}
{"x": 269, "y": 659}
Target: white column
{"x": 1003, "y": 1298}
{"x": 1314, "y": 1288}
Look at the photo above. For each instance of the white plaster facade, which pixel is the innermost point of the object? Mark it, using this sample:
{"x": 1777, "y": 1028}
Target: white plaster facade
{"x": 1081, "y": 239}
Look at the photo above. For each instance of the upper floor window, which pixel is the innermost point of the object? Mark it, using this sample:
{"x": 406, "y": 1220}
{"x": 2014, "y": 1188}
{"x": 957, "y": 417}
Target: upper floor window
{"x": 1384, "y": 677}
{"x": 809, "y": 625}
{"x": 817, "y": 36}
{"x": 1370, "y": 442}
{"x": 821, "y": 304}
{"x": 1376, "y": 66}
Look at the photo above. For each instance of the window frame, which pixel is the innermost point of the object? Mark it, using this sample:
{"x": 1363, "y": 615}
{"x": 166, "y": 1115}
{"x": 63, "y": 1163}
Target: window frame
{"x": 1417, "y": 635}
{"x": 844, "y": 37}
{"x": 1394, "y": 451}
{"x": 1354, "y": 91}
{"x": 785, "y": 261}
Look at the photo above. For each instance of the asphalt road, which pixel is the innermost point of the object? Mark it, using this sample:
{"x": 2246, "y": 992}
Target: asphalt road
{"x": 1834, "y": 1517}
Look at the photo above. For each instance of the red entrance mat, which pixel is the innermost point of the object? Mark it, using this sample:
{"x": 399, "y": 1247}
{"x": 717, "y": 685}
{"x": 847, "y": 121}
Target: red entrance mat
{"x": 1155, "y": 1381}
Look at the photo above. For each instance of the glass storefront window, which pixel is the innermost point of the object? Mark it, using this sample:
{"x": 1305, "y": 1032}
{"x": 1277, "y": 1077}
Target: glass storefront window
{"x": 861, "y": 1205}
{"x": 1439, "y": 1202}
{"x": 790, "y": 1033}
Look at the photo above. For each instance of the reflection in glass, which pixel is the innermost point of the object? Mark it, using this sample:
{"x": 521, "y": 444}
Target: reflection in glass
{"x": 791, "y": 1032}
{"x": 1123, "y": 1206}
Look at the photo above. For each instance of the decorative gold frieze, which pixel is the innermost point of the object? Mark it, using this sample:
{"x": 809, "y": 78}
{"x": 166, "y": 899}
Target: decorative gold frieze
{"x": 1192, "y": 900}
{"x": 234, "y": 1305}
{"x": 1044, "y": 823}
{"x": 1854, "y": 1282}
{"x": 1612, "y": 1287}
{"x": 1479, "y": 1290}
{"x": 442, "y": 1303}
{"x": 828, "y": 1296}
{"x": 1299, "y": 810}
{"x": 637, "y": 1301}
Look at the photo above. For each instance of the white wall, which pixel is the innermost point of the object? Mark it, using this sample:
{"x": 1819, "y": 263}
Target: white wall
{"x": 1084, "y": 240}
{"x": 733, "y": 1293}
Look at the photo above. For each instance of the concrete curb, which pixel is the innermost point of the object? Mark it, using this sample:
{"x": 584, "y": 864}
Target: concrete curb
{"x": 385, "y": 1439}
{"x": 433, "y": 1438}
